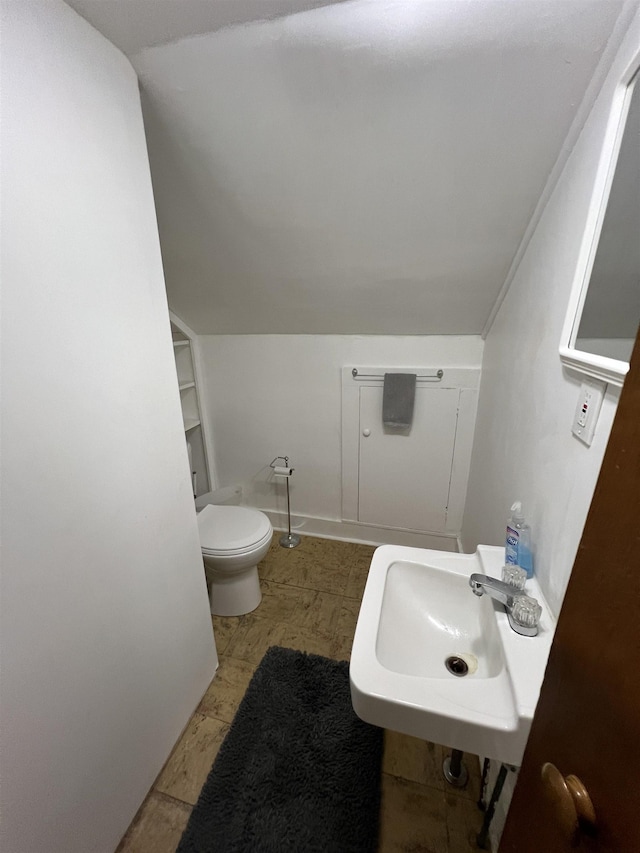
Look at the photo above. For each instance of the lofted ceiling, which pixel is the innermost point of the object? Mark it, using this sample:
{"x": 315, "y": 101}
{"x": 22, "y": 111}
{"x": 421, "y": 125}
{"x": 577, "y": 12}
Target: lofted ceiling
{"x": 135, "y": 24}
{"x": 363, "y": 167}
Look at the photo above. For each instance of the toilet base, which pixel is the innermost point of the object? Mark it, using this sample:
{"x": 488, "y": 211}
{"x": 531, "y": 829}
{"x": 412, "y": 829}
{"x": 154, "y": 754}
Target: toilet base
{"x": 234, "y": 594}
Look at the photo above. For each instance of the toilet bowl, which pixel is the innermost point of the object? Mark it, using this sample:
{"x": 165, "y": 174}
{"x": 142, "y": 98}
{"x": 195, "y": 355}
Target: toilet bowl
{"x": 233, "y": 540}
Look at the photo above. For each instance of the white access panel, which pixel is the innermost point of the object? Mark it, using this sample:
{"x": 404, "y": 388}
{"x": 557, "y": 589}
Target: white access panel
{"x": 390, "y": 484}
{"x": 404, "y": 478}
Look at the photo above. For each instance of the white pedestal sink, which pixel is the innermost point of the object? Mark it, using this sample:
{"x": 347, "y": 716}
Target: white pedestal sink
{"x": 417, "y": 611}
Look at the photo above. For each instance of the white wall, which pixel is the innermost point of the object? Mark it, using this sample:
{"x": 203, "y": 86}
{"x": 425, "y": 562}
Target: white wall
{"x": 106, "y": 636}
{"x": 268, "y": 395}
{"x": 524, "y": 448}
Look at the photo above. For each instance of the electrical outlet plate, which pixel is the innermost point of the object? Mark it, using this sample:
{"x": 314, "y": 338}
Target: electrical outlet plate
{"x": 588, "y": 409}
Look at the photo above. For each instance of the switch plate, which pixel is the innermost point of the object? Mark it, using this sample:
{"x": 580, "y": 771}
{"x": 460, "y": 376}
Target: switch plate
{"x": 588, "y": 409}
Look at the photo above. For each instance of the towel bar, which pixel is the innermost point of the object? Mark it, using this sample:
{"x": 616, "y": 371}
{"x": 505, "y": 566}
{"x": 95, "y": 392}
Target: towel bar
{"x": 436, "y": 377}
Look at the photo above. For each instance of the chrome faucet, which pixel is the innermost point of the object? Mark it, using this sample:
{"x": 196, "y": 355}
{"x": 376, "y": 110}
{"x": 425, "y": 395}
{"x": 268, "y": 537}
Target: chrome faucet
{"x": 501, "y": 591}
{"x": 523, "y": 611}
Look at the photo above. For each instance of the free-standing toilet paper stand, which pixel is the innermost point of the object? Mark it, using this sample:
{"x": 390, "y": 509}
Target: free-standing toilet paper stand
{"x": 289, "y": 539}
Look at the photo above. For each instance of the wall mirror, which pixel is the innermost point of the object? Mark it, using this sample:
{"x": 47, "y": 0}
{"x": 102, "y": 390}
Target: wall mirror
{"x": 604, "y": 310}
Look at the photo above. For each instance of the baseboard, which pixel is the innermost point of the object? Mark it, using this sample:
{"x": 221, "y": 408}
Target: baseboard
{"x": 365, "y": 534}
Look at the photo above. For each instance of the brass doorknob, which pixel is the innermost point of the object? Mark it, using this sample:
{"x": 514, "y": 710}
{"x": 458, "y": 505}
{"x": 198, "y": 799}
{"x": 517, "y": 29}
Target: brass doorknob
{"x": 570, "y": 800}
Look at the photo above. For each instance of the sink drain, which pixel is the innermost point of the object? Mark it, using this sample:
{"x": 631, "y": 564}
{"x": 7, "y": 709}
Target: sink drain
{"x": 457, "y": 666}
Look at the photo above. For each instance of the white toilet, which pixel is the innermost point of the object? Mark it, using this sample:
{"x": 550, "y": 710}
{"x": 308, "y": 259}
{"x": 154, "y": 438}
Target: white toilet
{"x": 233, "y": 540}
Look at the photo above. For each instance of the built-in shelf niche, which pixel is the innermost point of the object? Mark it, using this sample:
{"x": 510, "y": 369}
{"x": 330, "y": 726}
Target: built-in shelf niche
{"x": 190, "y": 403}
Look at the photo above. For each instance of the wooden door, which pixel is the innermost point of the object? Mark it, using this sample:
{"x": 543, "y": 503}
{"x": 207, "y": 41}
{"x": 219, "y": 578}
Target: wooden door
{"x": 588, "y": 718}
{"x": 403, "y": 479}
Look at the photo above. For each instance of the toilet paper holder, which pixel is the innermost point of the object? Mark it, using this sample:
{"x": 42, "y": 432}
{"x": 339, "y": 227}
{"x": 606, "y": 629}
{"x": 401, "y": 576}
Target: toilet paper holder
{"x": 281, "y": 470}
{"x": 289, "y": 539}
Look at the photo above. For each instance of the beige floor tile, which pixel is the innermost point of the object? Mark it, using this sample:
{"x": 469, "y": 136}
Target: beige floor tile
{"x": 227, "y": 689}
{"x": 279, "y": 601}
{"x": 349, "y": 610}
{"x": 326, "y": 578}
{"x": 274, "y": 548}
{"x": 252, "y": 639}
{"x": 413, "y": 759}
{"x": 363, "y": 554}
{"x": 331, "y": 552}
{"x": 158, "y": 827}
{"x": 317, "y": 611}
{"x": 190, "y": 763}
{"x": 357, "y": 581}
{"x": 413, "y": 818}
{"x": 224, "y": 627}
{"x": 269, "y": 587}
{"x": 278, "y": 554}
{"x": 302, "y": 639}
{"x": 321, "y": 564}
{"x": 284, "y": 569}
{"x": 341, "y": 647}
{"x": 464, "y": 821}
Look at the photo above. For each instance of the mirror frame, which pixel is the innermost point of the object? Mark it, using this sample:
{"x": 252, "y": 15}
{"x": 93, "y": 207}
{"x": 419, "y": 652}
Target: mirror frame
{"x": 598, "y": 366}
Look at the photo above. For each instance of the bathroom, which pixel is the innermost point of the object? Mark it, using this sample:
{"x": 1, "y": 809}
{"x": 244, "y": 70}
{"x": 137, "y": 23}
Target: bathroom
{"x": 94, "y": 460}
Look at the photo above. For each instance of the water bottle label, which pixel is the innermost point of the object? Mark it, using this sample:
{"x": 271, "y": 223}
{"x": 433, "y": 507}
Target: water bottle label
{"x": 511, "y": 549}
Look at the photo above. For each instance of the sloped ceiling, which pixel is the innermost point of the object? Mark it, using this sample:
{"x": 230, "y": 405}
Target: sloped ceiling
{"x": 368, "y": 167}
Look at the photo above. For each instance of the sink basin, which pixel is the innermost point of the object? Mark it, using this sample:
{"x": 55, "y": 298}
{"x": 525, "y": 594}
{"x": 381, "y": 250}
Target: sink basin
{"x": 428, "y": 608}
{"x": 417, "y": 612}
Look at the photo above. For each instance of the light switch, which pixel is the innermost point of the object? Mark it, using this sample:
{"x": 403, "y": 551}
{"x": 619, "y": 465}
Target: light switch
{"x": 588, "y": 409}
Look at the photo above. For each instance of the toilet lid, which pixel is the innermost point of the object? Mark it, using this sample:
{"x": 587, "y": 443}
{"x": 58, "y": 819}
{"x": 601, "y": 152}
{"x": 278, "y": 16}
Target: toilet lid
{"x": 231, "y": 528}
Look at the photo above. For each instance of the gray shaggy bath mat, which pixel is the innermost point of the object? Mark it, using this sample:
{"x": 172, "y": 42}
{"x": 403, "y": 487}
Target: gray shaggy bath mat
{"x": 297, "y": 773}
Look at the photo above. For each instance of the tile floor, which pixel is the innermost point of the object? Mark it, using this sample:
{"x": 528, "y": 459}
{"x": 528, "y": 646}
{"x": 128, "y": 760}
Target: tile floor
{"x": 311, "y": 598}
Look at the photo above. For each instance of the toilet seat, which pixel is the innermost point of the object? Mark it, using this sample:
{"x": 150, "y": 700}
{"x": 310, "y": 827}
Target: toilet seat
{"x": 232, "y": 530}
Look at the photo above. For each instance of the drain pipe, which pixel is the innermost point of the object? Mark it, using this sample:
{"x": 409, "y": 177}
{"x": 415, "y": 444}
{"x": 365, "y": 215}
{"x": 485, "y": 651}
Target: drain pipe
{"x": 455, "y": 770}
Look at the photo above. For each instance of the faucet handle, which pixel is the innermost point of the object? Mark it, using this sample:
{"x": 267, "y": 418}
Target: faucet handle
{"x": 526, "y": 611}
{"x": 514, "y": 576}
